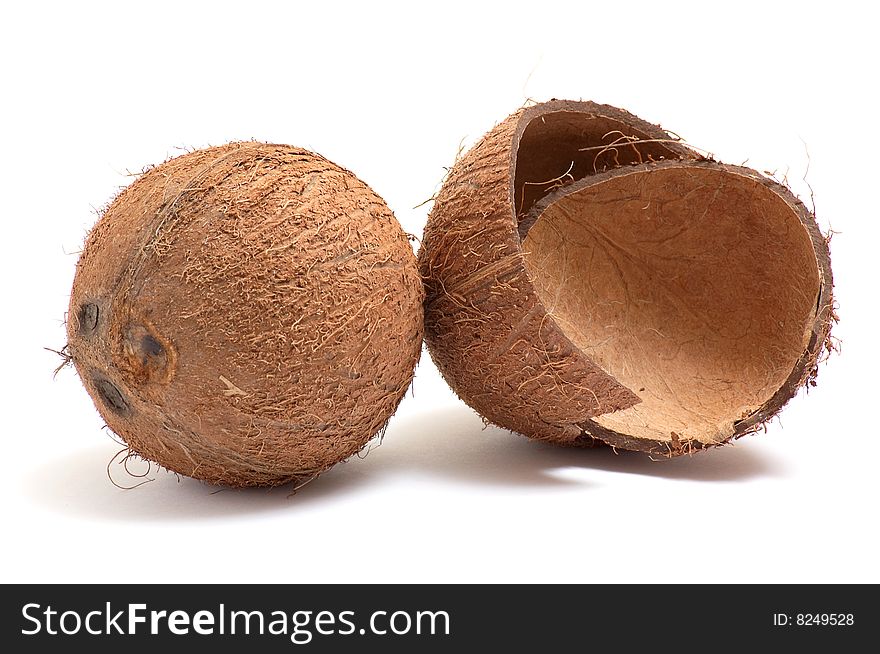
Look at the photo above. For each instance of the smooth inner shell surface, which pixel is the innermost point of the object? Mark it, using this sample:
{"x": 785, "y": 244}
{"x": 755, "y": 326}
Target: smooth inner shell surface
{"x": 694, "y": 286}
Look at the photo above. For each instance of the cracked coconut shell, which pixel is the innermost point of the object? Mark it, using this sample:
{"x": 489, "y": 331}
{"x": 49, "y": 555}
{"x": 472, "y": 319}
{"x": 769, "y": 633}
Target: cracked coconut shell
{"x": 247, "y": 315}
{"x": 589, "y": 279}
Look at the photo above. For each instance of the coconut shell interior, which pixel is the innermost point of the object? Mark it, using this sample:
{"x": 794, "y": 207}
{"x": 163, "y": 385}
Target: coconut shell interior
{"x": 696, "y": 286}
{"x": 559, "y": 147}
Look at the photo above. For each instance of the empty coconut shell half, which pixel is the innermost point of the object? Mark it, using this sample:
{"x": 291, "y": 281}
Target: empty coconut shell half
{"x": 591, "y": 279}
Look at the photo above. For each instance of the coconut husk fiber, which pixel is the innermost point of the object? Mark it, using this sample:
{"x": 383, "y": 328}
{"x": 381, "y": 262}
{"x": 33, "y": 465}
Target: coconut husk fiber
{"x": 590, "y": 279}
{"x": 247, "y": 315}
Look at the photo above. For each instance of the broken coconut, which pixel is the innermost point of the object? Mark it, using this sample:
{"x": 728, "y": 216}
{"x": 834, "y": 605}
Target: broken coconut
{"x": 247, "y": 315}
{"x": 591, "y": 279}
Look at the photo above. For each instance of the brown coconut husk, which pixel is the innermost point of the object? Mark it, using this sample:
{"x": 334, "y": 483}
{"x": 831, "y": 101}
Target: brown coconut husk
{"x": 247, "y": 315}
{"x": 591, "y": 279}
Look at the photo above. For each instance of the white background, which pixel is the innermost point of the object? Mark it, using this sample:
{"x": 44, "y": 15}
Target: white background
{"x": 390, "y": 91}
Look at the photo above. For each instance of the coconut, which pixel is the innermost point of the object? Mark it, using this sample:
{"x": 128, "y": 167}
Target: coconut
{"x": 249, "y": 314}
{"x": 589, "y": 279}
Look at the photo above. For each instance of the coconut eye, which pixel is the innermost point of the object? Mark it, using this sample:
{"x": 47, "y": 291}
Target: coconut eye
{"x": 112, "y": 397}
{"x": 146, "y": 354}
{"x": 88, "y": 318}
{"x": 151, "y": 347}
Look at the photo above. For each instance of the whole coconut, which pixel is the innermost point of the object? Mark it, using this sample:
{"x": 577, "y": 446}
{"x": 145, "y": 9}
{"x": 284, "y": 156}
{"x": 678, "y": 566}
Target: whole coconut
{"x": 249, "y": 314}
{"x": 589, "y": 279}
